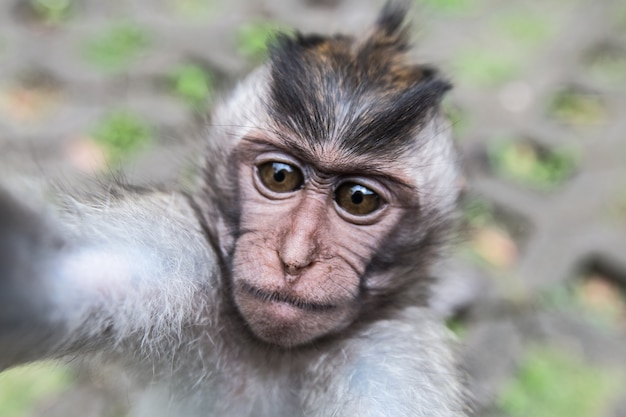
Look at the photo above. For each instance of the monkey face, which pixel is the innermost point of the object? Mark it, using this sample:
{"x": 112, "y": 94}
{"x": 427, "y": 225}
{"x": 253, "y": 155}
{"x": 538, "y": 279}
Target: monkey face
{"x": 306, "y": 235}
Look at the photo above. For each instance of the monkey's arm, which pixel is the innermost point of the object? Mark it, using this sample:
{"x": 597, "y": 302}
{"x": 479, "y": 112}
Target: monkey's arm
{"x": 400, "y": 367}
{"x": 97, "y": 277}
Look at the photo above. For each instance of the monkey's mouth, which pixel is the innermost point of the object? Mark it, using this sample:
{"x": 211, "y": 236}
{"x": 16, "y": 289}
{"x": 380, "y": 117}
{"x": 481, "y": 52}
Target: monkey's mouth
{"x": 277, "y": 297}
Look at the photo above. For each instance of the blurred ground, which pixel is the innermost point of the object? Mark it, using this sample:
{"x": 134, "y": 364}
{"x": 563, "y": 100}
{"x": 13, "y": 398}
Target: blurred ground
{"x": 539, "y": 108}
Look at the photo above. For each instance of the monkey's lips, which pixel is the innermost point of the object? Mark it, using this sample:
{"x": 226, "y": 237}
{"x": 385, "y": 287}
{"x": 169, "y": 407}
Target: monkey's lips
{"x": 278, "y": 297}
{"x": 284, "y": 319}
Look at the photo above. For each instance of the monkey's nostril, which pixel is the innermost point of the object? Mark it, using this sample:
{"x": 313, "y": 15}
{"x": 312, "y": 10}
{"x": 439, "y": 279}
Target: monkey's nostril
{"x": 293, "y": 270}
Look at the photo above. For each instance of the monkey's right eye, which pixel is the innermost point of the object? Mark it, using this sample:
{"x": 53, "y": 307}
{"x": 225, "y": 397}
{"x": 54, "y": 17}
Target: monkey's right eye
{"x": 280, "y": 177}
{"x": 357, "y": 199}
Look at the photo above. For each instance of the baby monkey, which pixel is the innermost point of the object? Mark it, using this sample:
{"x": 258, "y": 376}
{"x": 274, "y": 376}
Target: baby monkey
{"x": 294, "y": 280}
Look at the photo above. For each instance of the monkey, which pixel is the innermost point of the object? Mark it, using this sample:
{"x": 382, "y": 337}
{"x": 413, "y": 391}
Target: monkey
{"x": 293, "y": 279}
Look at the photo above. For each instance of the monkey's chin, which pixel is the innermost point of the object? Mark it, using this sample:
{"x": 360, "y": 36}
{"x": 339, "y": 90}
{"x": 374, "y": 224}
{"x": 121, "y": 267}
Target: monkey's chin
{"x": 285, "y": 321}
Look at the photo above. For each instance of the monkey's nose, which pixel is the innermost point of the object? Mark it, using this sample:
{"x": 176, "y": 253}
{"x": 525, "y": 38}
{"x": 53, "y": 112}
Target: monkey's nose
{"x": 297, "y": 253}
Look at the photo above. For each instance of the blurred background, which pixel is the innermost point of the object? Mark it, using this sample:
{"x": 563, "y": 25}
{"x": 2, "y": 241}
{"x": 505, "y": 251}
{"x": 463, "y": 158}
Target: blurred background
{"x": 537, "y": 292}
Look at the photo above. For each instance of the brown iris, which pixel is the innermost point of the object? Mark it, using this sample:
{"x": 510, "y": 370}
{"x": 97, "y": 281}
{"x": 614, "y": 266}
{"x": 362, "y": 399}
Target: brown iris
{"x": 280, "y": 177}
{"x": 357, "y": 199}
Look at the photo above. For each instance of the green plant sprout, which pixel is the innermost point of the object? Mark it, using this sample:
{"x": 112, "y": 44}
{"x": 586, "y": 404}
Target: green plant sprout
{"x": 577, "y": 108}
{"x": 122, "y": 134}
{"x": 553, "y": 383}
{"x": 528, "y": 165}
{"x": 117, "y": 48}
{"x": 252, "y": 39}
{"x": 193, "y": 85}
{"x": 52, "y": 11}
{"x": 24, "y": 387}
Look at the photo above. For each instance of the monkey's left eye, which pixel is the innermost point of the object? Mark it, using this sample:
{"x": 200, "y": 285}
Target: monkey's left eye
{"x": 357, "y": 199}
{"x": 280, "y": 177}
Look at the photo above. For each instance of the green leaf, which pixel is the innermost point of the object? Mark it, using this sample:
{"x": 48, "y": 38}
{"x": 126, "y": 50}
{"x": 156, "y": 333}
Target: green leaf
{"x": 22, "y": 388}
{"x": 523, "y": 162}
{"x": 193, "y": 84}
{"x": 252, "y": 39}
{"x": 553, "y": 383}
{"x": 122, "y": 133}
{"x": 116, "y": 48}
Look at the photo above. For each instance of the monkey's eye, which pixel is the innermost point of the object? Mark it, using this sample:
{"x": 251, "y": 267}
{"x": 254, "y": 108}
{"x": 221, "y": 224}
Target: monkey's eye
{"x": 280, "y": 177}
{"x": 357, "y": 199}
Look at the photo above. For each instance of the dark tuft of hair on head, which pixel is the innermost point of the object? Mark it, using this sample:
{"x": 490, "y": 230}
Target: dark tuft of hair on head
{"x": 383, "y": 96}
{"x": 391, "y": 26}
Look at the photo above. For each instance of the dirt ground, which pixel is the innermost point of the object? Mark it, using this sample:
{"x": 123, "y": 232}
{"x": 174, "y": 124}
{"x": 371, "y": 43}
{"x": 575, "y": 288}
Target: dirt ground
{"x": 537, "y": 288}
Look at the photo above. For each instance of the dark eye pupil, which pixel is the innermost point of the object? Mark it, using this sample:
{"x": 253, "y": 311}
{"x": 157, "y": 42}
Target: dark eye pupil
{"x": 279, "y": 176}
{"x": 357, "y": 197}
